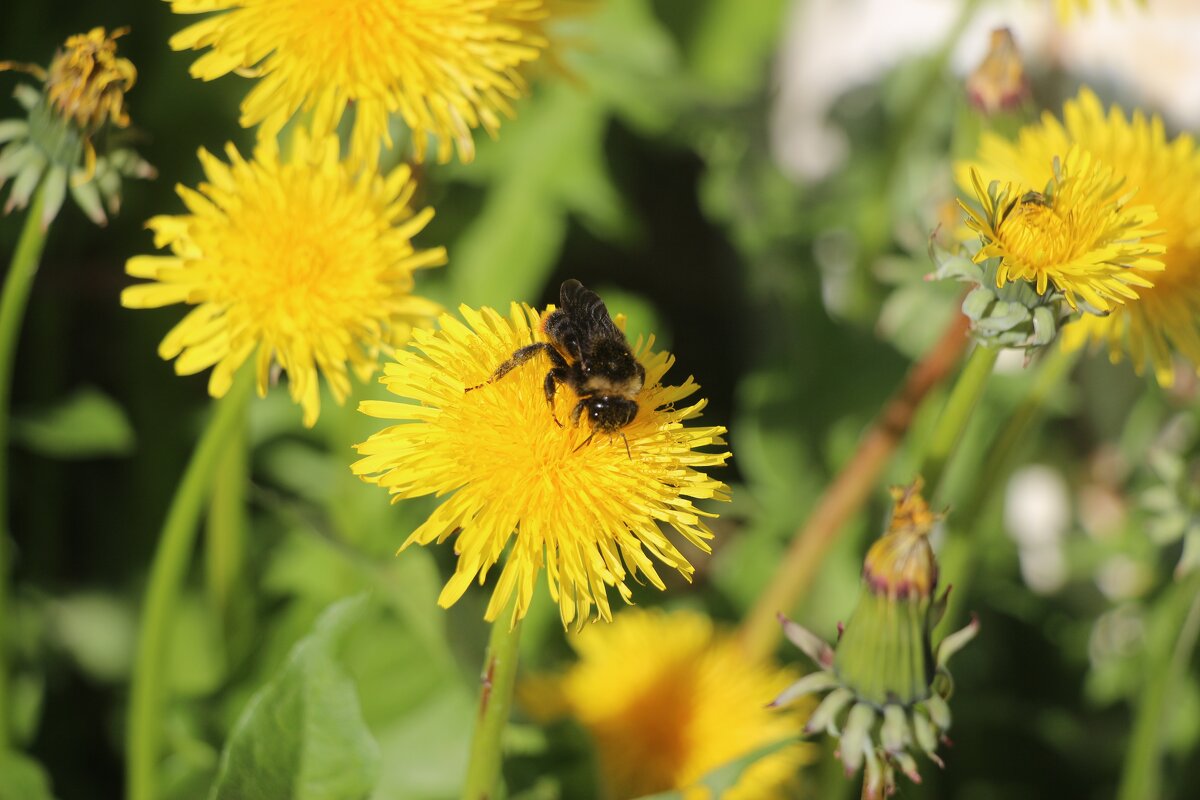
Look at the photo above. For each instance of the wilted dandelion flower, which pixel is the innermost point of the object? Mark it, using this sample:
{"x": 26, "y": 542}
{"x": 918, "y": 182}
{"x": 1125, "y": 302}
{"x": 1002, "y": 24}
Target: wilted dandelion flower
{"x": 887, "y": 683}
{"x": 589, "y": 512}
{"x": 668, "y": 699}
{"x": 1160, "y": 173}
{"x": 1078, "y": 235}
{"x": 305, "y": 263}
{"x": 445, "y": 66}
{"x": 83, "y": 91}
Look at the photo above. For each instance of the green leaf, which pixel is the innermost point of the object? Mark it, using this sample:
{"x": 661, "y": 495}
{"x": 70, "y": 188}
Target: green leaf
{"x": 734, "y": 42}
{"x": 302, "y": 736}
{"x": 22, "y": 778}
{"x": 88, "y": 424}
{"x": 546, "y": 165}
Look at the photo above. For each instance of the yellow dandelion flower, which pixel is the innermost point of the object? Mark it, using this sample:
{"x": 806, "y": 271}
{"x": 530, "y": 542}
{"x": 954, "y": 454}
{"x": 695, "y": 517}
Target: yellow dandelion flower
{"x": 1079, "y": 235}
{"x": 306, "y": 262}
{"x": 667, "y": 699}
{"x": 1166, "y": 175}
{"x": 1065, "y": 10}
{"x": 445, "y": 66}
{"x": 590, "y": 513}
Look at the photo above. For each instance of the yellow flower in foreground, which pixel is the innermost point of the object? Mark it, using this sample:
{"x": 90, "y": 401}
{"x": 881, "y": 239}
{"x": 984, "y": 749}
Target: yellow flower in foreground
{"x": 590, "y": 513}
{"x": 1161, "y": 173}
{"x": 1079, "y": 235}
{"x": 445, "y": 66}
{"x": 305, "y": 262}
{"x": 667, "y": 699}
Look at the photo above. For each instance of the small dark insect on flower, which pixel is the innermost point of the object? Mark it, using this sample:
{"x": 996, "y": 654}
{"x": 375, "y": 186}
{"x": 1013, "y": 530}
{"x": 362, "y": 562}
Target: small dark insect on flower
{"x": 1035, "y": 198}
{"x": 589, "y": 353}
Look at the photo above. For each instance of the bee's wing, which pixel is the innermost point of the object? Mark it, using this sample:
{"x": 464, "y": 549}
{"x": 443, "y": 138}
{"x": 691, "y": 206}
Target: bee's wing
{"x": 588, "y": 312}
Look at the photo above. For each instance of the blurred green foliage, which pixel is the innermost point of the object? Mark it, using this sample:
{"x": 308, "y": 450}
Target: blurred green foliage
{"x": 643, "y": 169}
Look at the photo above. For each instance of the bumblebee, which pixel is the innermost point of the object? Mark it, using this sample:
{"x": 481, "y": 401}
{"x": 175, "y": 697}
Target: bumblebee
{"x": 587, "y": 352}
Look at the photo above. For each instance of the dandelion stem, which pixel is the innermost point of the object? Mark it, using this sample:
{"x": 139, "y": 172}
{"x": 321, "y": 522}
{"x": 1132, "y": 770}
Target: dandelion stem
{"x": 853, "y": 485}
{"x": 495, "y": 698}
{"x": 960, "y": 553}
{"x": 12, "y": 312}
{"x": 1141, "y": 778}
{"x": 954, "y": 417}
{"x": 167, "y": 572}
{"x": 226, "y": 528}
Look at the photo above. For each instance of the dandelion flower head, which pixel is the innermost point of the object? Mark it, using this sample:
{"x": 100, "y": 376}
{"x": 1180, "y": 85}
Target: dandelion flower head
{"x": 445, "y": 66}
{"x": 1157, "y": 172}
{"x": 1079, "y": 235}
{"x": 87, "y": 81}
{"x": 303, "y": 262}
{"x": 589, "y": 513}
{"x": 668, "y": 698}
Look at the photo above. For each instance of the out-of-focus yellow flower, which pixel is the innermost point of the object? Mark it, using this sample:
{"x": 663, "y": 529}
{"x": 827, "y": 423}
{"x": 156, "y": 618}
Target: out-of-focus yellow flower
{"x": 306, "y": 262}
{"x": 1079, "y": 235}
{"x": 1157, "y": 172}
{"x": 1066, "y": 9}
{"x": 668, "y": 699}
{"x": 445, "y": 66}
{"x": 82, "y": 91}
{"x": 588, "y": 511}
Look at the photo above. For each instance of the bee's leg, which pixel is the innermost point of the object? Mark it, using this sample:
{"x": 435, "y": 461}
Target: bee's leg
{"x": 585, "y": 442}
{"x": 553, "y": 378}
{"x": 520, "y": 357}
{"x": 577, "y": 411}
{"x": 625, "y": 439}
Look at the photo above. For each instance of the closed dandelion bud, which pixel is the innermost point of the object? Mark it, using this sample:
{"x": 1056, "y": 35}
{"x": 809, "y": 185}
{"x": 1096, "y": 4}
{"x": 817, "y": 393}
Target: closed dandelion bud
{"x": 887, "y": 683}
{"x": 82, "y": 94}
{"x": 999, "y": 84}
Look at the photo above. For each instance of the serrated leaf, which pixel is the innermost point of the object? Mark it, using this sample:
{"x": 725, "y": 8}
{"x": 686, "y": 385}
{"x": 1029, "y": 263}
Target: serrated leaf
{"x": 88, "y": 424}
{"x": 302, "y": 736}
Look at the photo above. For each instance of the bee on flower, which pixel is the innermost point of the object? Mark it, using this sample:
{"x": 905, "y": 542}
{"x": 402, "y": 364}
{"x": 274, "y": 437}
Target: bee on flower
{"x": 590, "y": 510}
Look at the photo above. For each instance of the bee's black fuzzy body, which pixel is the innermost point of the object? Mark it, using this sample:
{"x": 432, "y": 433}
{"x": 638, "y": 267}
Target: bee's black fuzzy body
{"x": 587, "y": 352}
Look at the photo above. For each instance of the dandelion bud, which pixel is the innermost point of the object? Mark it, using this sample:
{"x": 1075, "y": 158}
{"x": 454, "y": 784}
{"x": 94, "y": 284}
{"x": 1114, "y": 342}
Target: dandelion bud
{"x": 888, "y": 683}
{"x": 83, "y": 91}
{"x": 999, "y": 82}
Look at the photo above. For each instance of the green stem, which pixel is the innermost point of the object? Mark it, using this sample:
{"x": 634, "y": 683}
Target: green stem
{"x": 12, "y": 311}
{"x": 167, "y": 572}
{"x": 1141, "y": 778}
{"x": 226, "y": 528}
{"x": 495, "y": 699}
{"x": 960, "y": 553}
{"x": 954, "y": 418}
